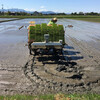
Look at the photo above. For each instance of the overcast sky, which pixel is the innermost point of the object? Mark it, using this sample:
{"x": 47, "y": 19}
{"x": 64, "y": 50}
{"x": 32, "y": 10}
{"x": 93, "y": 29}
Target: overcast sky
{"x": 53, "y": 5}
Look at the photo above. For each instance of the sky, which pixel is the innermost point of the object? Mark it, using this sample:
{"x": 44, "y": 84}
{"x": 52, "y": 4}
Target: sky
{"x": 67, "y": 6}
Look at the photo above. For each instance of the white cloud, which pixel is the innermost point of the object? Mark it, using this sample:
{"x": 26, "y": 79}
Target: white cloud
{"x": 59, "y": 11}
{"x": 42, "y": 7}
{"x": 43, "y": 10}
{"x": 27, "y": 9}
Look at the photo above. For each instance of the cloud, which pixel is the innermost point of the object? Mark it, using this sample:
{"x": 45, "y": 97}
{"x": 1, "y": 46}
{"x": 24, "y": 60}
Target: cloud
{"x": 42, "y": 7}
{"x": 43, "y": 10}
{"x": 27, "y": 9}
{"x": 58, "y": 11}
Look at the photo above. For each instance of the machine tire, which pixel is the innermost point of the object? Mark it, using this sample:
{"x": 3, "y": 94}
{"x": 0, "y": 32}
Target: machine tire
{"x": 30, "y": 50}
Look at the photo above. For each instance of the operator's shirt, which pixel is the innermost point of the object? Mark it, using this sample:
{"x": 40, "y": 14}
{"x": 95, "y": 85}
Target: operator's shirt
{"x": 51, "y": 23}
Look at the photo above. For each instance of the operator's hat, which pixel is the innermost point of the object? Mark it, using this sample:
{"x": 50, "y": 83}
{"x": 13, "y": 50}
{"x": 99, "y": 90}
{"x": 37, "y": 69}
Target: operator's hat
{"x": 32, "y": 22}
{"x": 55, "y": 19}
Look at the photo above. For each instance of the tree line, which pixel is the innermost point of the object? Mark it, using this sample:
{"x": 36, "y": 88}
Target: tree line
{"x": 40, "y": 14}
{"x": 88, "y": 13}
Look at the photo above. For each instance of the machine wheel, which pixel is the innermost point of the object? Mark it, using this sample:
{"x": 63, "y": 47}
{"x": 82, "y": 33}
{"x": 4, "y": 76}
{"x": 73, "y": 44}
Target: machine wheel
{"x": 30, "y": 50}
{"x": 35, "y": 52}
{"x": 55, "y": 52}
{"x": 61, "y": 51}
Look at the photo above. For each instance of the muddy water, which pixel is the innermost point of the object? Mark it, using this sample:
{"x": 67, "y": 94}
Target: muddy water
{"x": 82, "y": 50}
{"x": 84, "y": 37}
{"x": 9, "y": 31}
{"x": 82, "y": 30}
{"x": 3, "y": 19}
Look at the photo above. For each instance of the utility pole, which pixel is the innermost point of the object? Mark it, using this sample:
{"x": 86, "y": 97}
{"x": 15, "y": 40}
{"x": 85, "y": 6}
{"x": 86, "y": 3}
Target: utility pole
{"x": 2, "y": 9}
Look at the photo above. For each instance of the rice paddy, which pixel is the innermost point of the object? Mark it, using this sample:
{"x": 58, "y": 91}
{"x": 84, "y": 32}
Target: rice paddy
{"x": 90, "y": 18}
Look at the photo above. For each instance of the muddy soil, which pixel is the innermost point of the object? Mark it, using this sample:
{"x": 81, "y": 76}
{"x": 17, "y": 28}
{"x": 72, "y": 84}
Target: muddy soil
{"x": 78, "y": 71}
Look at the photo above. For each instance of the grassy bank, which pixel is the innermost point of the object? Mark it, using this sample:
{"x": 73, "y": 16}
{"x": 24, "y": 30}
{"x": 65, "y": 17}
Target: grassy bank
{"x": 76, "y": 17}
{"x": 52, "y": 16}
{"x": 97, "y": 20}
{"x": 9, "y": 20}
{"x": 53, "y": 97}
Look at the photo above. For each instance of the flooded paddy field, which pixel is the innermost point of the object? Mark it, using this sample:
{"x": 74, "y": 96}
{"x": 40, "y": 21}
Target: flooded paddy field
{"x": 2, "y": 19}
{"x": 81, "y": 73}
{"x": 7, "y": 19}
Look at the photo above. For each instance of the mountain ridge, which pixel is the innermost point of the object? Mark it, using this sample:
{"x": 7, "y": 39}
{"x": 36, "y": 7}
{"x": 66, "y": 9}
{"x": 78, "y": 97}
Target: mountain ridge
{"x": 22, "y": 10}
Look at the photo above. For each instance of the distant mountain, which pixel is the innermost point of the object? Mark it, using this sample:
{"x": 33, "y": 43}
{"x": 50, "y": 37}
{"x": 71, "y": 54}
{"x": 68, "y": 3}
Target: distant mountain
{"x": 22, "y": 10}
{"x": 13, "y": 10}
{"x": 4, "y": 10}
{"x": 16, "y": 10}
{"x": 48, "y": 12}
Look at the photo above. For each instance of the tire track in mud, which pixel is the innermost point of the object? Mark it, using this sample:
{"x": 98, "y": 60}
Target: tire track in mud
{"x": 75, "y": 76}
{"x": 86, "y": 50}
{"x": 45, "y": 75}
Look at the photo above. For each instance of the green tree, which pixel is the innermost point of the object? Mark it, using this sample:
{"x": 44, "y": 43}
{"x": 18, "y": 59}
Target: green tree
{"x": 81, "y": 13}
{"x": 8, "y": 13}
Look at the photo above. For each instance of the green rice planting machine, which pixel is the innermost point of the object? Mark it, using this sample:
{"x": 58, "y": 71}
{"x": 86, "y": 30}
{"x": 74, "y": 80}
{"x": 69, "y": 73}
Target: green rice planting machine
{"x": 45, "y": 39}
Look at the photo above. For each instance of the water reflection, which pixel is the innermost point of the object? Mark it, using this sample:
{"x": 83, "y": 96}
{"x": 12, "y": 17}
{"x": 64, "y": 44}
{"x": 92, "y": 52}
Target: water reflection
{"x": 82, "y": 30}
